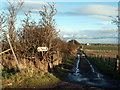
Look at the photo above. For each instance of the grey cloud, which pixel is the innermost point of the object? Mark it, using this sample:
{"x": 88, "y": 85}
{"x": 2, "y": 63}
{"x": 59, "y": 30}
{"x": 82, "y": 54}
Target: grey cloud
{"x": 107, "y": 31}
{"x": 68, "y": 13}
{"x": 91, "y": 37}
{"x": 102, "y": 31}
{"x": 71, "y": 13}
{"x": 94, "y": 11}
{"x": 34, "y": 6}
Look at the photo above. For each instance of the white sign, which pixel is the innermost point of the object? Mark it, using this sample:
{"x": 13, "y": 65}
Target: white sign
{"x": 42, "y": 49}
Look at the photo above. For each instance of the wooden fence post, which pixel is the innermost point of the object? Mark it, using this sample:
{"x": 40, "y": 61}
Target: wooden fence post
{"x": 109, "y": 60}
{"x": 117, "y": 63}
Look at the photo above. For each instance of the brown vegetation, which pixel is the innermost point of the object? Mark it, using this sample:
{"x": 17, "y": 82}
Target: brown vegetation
{"x": 31, "y": 35}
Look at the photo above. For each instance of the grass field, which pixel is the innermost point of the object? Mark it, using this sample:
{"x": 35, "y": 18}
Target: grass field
{"x": 100, "y": 47}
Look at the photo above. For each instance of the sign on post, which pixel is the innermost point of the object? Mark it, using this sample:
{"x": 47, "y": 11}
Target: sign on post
{"x": 42, "y": 49}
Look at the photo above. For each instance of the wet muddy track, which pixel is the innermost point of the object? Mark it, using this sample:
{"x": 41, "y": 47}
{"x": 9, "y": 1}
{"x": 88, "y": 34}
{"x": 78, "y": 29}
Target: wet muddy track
{"x": 85, "y": 75}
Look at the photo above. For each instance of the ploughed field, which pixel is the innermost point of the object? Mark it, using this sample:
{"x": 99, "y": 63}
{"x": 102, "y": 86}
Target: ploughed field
{"x": 101, "y": 47}
{"x": 101, "y": 50}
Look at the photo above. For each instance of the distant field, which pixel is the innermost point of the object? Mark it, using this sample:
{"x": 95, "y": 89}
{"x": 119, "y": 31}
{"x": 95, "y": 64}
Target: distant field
{"x": 97, "y": 47}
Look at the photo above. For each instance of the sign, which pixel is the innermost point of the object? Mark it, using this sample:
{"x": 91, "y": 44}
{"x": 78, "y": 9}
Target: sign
{"x": 42, "y": 49}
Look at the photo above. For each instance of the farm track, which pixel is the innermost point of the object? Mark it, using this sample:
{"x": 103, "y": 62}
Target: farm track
{"x": 87, "y": 78}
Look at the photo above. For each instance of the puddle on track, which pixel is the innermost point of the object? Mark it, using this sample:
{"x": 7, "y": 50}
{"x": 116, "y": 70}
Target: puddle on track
{"x": 93, "y": 79}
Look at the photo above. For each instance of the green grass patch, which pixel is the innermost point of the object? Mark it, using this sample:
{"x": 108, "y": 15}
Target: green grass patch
{"x": 23, "y": 80}
{"x": 8, "y": 72}
{"x": 39, "y": 80}
{"x": 98, "y": 47}
{"x": 61, "y": 71}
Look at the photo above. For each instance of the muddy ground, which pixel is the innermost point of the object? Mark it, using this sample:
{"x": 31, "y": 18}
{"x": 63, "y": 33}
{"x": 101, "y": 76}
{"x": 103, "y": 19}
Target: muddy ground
{"x": 88, "y": 77}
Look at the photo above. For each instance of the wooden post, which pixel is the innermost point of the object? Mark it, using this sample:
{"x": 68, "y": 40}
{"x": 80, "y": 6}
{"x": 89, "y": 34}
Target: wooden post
{"x": 42, "y": 53}
{"x": 13, "y": 52}
{"x": 0, "y": 64}
{"x": 58, "y": 54}
{"x": 104, "y": 59}
{"x": 117, "y": 64}
{"x": 81, "y": 48}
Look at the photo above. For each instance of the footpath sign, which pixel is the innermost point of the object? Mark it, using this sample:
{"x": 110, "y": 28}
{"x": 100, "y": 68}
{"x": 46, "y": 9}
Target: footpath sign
{"x": 42, "y": 49}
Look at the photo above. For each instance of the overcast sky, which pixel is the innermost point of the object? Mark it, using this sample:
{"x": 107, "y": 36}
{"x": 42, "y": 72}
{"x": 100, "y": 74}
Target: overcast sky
{"x": 89, "y": 22}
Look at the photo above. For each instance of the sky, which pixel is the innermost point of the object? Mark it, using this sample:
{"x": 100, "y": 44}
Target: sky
{"x": 87, "y": 21}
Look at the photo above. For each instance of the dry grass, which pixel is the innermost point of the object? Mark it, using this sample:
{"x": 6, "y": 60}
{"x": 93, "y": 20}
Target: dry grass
{"x": 99, "y": 53}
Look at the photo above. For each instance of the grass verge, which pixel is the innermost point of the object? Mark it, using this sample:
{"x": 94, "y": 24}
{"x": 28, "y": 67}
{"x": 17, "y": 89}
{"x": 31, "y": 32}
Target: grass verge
{"x": 34, "y": 79}
{"x": 61, "y": 71}
{"x": 106, "y": 67}
{"x": 24, "y": 79}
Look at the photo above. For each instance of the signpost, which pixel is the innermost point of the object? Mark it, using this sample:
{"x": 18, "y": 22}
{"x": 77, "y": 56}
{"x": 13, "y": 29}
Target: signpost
{"x": 13, "y": 51}
{"x": 41, "y": 49}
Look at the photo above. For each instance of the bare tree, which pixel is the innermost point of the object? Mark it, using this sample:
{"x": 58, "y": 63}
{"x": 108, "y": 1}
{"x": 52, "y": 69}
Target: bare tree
{"x": 47, "y": 24}
{"x": 2, "y": 24}
{"x": 116, "y": 20}
{"x": 13, "y": 9}
{"x": 32, "y": 34}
